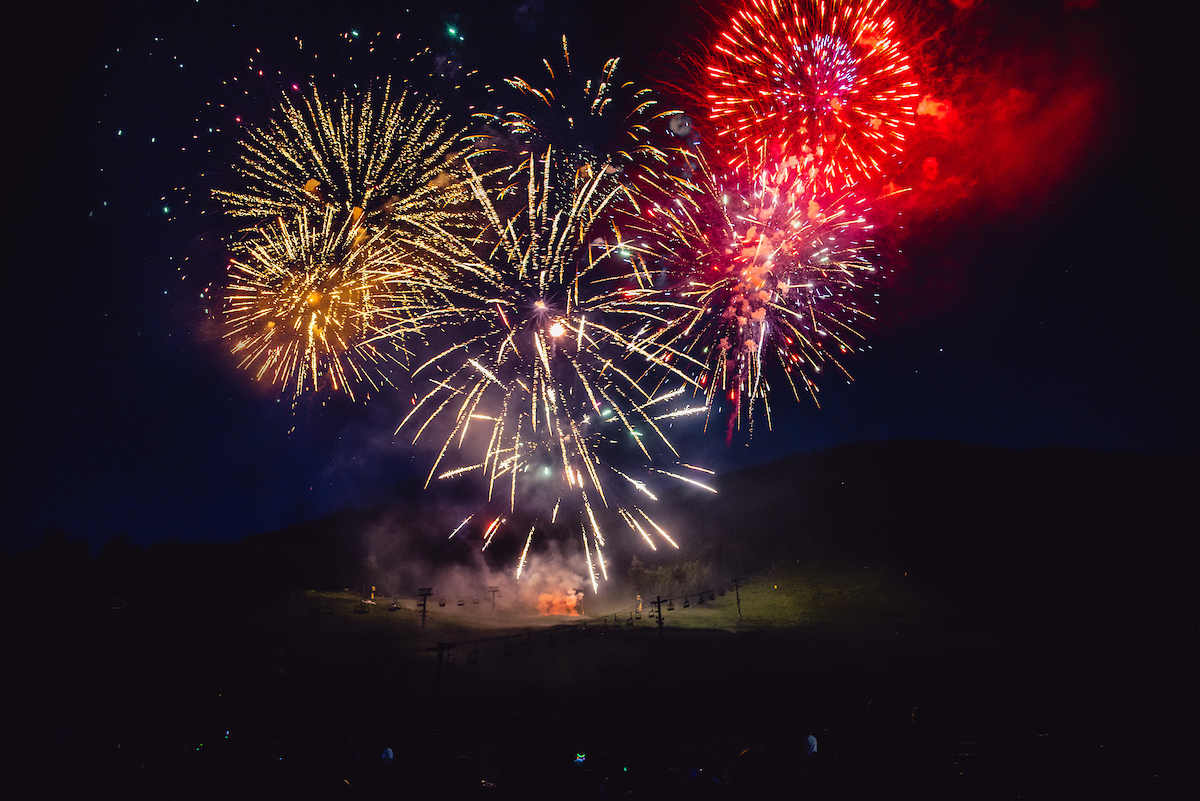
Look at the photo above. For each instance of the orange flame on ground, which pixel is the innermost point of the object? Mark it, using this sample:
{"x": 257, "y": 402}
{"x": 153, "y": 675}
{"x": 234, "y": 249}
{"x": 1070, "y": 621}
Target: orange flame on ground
{"x": 560, "y": 603}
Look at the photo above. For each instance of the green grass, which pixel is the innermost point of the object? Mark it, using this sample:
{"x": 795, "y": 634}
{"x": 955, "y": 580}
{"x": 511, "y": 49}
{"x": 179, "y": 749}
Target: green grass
{"x": 800, "y": 595}
{"x": 322, "y": 637}
{"x": 781, "y": 597}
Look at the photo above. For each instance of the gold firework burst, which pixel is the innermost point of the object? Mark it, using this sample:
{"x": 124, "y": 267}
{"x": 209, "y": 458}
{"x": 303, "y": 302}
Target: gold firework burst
{"x": 391, "y": 157}
{"x": 321, "y": 303}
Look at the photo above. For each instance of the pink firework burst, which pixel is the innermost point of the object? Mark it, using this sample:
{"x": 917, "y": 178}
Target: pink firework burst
{"x": 779, "y": 277}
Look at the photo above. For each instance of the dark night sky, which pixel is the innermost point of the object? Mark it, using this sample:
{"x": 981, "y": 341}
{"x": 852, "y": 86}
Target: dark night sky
{"x": 1045, "y": 300}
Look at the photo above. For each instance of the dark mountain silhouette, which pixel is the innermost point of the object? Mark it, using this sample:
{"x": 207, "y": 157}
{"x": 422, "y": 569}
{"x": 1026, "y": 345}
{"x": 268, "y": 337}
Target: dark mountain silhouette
{"x": 1032, "y": 536}
{"x": 1035, "y": 533}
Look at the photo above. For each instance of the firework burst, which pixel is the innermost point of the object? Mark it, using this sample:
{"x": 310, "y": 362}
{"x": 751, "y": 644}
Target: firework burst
{"x": 558, "y": 357}
{"x": 318, "y": 303}
{"x": 392, "y": 158}
{"x": 824, "y": 81}
{"x": 778, "y": 270}
{"x": 591, "y": 125}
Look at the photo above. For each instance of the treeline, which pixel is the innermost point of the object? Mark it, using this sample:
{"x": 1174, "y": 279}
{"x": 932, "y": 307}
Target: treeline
{"x": 183, "y": 580}
{"x": 672, "y": 579}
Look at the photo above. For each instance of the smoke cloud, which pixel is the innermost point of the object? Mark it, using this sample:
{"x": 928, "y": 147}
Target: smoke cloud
{"x": 1020, "y": 104}
{"x": 1015, "y": 107}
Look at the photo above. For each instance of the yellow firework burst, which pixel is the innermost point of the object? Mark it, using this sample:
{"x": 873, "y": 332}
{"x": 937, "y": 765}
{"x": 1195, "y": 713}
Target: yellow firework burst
{"x": 323, "y": 303}
{"x": 391, "y": 156}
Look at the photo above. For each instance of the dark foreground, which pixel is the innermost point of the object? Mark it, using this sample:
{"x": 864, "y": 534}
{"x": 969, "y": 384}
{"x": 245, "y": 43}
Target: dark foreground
{"x": 944, "y": 621}
{"x": 299, "y": 698}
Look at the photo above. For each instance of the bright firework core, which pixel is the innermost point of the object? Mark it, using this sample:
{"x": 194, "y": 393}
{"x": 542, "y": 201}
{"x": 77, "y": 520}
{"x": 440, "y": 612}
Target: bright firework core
{"x": 832, "y": 70}
{"x": 796, "y": 258}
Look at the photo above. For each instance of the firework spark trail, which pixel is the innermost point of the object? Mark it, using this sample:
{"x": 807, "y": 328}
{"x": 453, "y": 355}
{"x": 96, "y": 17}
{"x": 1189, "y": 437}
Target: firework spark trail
{"x": 322, "y": 302}
{"x": 491, "y": 532}
{"x": 559, "y": 351}
{"x": 778, "y": 267}
{"x": 588, "y": 554}
{"x": 525, "y": 550}
{"x": 825, "y": 81}
{"x": 460, "y": 526}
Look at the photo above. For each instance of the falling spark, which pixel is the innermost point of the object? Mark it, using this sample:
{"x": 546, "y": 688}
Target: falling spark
{"x": 525, "y": 551}
{"x": 460, "y": 525}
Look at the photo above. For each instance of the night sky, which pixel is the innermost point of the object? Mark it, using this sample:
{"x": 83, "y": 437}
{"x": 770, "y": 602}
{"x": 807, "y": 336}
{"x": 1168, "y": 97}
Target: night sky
{"x": 1044, "y": 300}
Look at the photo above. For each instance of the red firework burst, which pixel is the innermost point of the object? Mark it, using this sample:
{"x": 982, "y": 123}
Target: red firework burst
{"x": 824, "y": 81}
